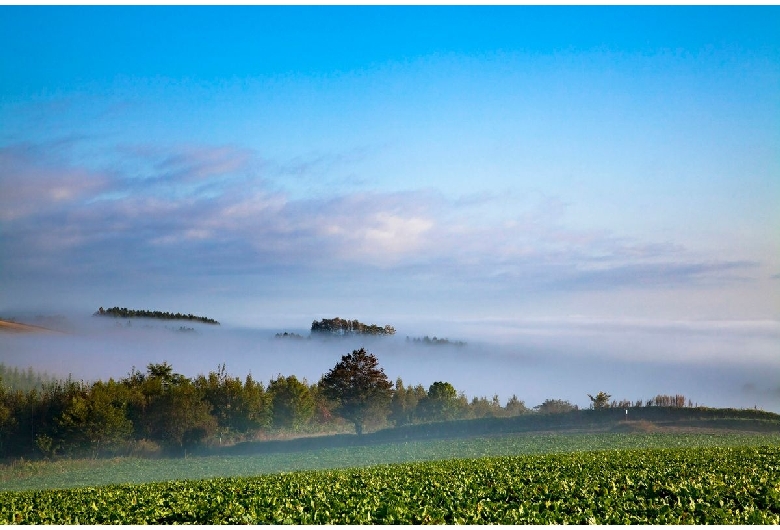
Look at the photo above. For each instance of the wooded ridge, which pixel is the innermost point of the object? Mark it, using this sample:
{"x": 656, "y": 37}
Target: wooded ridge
{"x": 123, "y": 312}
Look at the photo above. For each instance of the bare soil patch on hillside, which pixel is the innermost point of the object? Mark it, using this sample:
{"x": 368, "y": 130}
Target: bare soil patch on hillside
{"x": 16, "y": 327}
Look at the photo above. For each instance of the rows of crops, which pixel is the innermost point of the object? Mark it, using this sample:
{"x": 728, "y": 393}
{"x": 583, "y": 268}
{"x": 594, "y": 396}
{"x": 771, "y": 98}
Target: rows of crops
{"x": 684, "y": 485}
{"x": 71, "y": 474}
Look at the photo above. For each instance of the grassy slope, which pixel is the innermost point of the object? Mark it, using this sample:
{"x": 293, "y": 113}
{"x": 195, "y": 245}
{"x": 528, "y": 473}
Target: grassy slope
{"x": 646, "y": 419}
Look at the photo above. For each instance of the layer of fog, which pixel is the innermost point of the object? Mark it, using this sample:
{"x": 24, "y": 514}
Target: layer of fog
{"x": 727, "y": 364}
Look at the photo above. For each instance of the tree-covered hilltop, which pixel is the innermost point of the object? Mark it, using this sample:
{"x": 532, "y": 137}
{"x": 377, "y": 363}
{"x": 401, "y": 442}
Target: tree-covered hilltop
{"x": 339, "y": 326}
{"x": 123, "y": 312}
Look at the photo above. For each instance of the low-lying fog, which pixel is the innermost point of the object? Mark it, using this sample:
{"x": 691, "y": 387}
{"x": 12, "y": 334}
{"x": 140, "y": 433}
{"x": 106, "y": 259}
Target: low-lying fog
{"x": 713, "y": 363}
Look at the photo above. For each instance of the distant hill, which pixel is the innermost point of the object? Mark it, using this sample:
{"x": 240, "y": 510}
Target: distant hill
{"x": 7, "y": 326}
{"x": 638, "y": 419}
{"x": 123, "y": 312}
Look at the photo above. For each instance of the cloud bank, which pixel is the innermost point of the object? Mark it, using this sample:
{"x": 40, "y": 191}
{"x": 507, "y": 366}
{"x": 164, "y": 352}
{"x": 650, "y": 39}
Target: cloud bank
{"x": 219, "y": 210}
{"x": 713, "y": 363}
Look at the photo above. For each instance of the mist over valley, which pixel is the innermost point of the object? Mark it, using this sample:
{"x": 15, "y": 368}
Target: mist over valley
{"x": 710, "y": 363}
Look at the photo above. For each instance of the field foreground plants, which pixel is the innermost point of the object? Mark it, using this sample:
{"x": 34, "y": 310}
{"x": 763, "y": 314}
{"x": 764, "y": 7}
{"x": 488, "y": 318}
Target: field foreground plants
{"x": 67, "y": 473}
{"x": 725, "y": 485}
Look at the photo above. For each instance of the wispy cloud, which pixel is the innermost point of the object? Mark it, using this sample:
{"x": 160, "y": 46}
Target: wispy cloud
{"x": 186, "y": 165}
{"x": 31, "y": 188}
{"x": 309, "y": 166}
{"x": 197, "y": 164}
{"x": 320, "y": 172}
{"x": 676, "y": 273}
{"x": 65, "y": 214}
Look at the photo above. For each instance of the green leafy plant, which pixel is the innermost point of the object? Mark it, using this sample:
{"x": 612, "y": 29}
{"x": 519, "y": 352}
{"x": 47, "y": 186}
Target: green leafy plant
{"x": 715, "y": 485}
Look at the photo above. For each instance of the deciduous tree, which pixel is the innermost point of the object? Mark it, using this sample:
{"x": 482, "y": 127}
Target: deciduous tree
{"x": 359, "y": 388}
{"x": 292, "y": 404}
{"x": 441, "y": 402}
{"x": 238, "y": 407}
{"x": 168, "y": 408}
{"x": 555, "y": 406}
{"x": 600, "y": 400}
{"x": 96, "y": 419}
{"x": 405, "y": 402}
{"x": 515, "y": 406}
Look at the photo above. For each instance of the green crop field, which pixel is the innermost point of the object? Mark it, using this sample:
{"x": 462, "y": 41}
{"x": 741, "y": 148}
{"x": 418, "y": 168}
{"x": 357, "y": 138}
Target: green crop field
{"x": 82, "y": 473}
{"x": 726, "y": 485}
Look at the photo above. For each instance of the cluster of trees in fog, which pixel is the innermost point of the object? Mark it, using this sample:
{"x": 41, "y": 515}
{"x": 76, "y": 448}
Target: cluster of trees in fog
{"x": 123, "y": 312}
{"x": 287, "y": 335}
{"x": 14, "y": 378}
{"x": 160, "y": 410}
{"x": 428, "y": 341}
{"x": 340, "y": 326}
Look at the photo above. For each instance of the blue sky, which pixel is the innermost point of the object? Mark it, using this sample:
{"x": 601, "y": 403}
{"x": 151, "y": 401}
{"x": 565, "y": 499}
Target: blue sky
{"x": 431, "y": 167}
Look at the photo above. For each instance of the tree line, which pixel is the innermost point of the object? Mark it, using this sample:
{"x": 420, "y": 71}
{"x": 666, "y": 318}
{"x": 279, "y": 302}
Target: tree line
{"x": 602, "y": 401}
{"x": 25, "y": 380}
{"x": 123, "y": 312}
{"x": 161, "y": 411}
